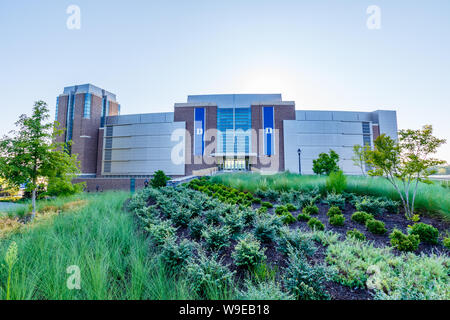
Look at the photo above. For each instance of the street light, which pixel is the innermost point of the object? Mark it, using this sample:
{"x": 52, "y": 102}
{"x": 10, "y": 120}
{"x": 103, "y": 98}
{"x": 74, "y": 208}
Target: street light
{"x": 299, "y": 151}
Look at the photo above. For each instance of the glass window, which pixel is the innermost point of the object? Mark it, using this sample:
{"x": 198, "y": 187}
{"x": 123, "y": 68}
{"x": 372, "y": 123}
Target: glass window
{"x": 87, "y": 106}
{"x": 57, "y": 107}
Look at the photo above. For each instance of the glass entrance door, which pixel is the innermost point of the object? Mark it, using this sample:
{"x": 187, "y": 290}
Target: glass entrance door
{"x": 235, "y": 164}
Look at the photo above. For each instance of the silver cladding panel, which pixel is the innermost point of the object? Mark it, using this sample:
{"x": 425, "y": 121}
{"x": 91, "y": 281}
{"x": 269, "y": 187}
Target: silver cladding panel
{"x": 315, "y": 132}
{"x": 142, "y": 144}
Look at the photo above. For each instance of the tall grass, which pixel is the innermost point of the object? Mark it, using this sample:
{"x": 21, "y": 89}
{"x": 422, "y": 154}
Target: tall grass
{"x": 101, "y": 239}
{"x": 430, "y": 199}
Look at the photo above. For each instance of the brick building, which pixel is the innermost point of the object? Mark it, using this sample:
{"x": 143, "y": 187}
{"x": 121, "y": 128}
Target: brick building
{"x": 232, "y": 132}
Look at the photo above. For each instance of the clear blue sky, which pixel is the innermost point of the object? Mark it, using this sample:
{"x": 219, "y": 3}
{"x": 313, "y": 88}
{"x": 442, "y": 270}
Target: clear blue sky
{"x": 154, "y": 53}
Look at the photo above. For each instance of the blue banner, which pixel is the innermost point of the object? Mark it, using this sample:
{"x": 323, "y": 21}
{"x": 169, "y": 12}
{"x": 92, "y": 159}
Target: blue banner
{"x": 199, "y": 132}
{"x": 268, "y": 130}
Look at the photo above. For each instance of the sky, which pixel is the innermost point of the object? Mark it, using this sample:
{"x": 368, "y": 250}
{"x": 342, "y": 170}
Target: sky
{"x": 319, "y": 53}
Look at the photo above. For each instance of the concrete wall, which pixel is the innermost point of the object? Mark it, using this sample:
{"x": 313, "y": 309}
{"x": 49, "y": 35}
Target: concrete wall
{"x": 141, "y": 145}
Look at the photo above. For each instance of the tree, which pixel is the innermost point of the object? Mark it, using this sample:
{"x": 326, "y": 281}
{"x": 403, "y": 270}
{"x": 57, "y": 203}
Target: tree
{"x": 326, "y": 163}
{"x": 359, "y": 157}
{"x": 32, "y": 154}
{"x": 406, "y": 162}
{"x": 159, "y": 179}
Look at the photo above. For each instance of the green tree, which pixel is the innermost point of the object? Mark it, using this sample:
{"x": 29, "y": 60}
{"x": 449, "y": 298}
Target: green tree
{"x": 406, "y": 162}
{"x": 359, "y": 157}
{"x": 326, "y": 163}
{"x": 31, "y": 154}
{"x": 159, "y": 179}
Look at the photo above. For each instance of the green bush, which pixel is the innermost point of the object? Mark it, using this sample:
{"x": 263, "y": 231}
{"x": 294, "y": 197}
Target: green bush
{"x": 426, "y": 233}
{"x": 267, "y": 205}
{"x": 281, "y": 210}
{"x": 288, "y": 218}
{"x": 304, "y": 281}
{"x": 333, "y": 211}
{"x": 296, "y": 239}
{"x": 234, "y": 221}
{"x": 262, "y": 210}
{"x": 311, "y": 210}
{"x": 196, "y": 227}
{"x": 256, "y": 201}
{"x": 447, "y": 242}
{"x": 291, "y": 207}
{"x": 159, "y": 179}
{"x": 213, "y": 216}
{"x": 316, "y": 224}
{"x": 208, "y": 275}
{"x": 369, "y": 205}
{"x": 175, "y": 255}
{"x": 390, "y": 206}
{"x": 404, "y": 242}
{"x": 361, "y": 217}
{"x": 216, "y": 238}
{"x": 303, "y": 217}
{"x": 337, "y": 220}
{"x": 248, "y": 215}
{"x": 161, "y": 232}
{"x": 267, "y": 227}
{"x": 264, "y": 291}
{"x": 356, "y": 234}
{"x": 336, "y": 182}
{"x": 181, "y": 217}
{"x": 335, "y": 200}
{"x": 376, "y": 226}
{"x": 248, "y": 252}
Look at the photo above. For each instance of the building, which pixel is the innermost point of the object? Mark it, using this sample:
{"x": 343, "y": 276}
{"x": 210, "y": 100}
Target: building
{"x": 231, "y": 132}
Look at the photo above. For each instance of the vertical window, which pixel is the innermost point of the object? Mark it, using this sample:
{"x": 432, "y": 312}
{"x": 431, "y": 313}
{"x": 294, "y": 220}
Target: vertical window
{"x": 70, "y": 115}
{"x": 87, "y": 106}
{"x": 199, "y": 132}
{"x": 57, "y": 107}
{"x": 268, "y": 125}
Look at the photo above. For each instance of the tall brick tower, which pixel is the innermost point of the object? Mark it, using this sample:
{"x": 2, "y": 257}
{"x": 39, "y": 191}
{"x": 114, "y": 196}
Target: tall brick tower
{"x": 81, "y": 111}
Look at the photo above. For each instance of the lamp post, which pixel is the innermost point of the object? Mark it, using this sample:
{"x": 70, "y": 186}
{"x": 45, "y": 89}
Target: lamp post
{"x": 299, "y": 151}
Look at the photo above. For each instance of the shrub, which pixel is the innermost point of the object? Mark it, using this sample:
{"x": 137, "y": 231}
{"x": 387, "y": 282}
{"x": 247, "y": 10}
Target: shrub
{"x": 264, "y": 291}
{"x": 181, "y": 217}
{"x": 296, "y": 239}
{"x": 356, "y": 234}
{"x": 256, "y": 201}
{"x": 326, "y": 164}
{"x": 208, "y": 274}
{"x": 267, "y": 205}
{"x": 248, "y": 252}
{"x": 336, "y": 182}
{"x": 447, "y": 242}
{"x": 234, "y": 221}
{"x": 390, "y": 206}
{"x": 161, "y": 232}
{"x": 262, "y": 210}
{"x": 333, "y": 211}
{"x": 426, "y": 233}
{"x": 213, "y": 216}
{"x": 196, "y": 227}
{"x": 404, "y": 242}
{"x": 369, "y": 205}
{"x": 288, "y": 218}
{"x": 216, "y": 237}
{"x": 376, "y": 226}
{"x": 335, "y": 200}
{"x": 316, "y": 224}
{"x": 266, "y": 227}
{"x": 159, "y": 179}
{"x": 291, "y": 207}
{"x": 361, "y": 217}
{"x": 303, "y": 217}
{"x": 248, "y": 215}
{"x": 272, "y": 195}
{"x": 304, "y": 281}
{"x": 175, "y": 255}
{"x": 281, "y": 210}
{"x": 337, "y": 220}
{"x": 311, "y": 210}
